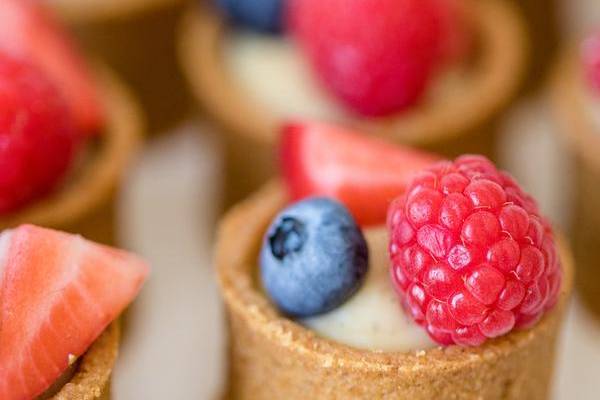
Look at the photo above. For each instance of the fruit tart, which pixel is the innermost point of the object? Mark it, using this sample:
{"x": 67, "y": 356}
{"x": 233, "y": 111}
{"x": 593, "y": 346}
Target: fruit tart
{"x": 372, "y": 271}
{"x": 433, "y": 73}
{"x": 136, "y": 38}
{"x": 575, "y": 98}
{"x": 67, "y": 132}
{"x": 61, "y": 299}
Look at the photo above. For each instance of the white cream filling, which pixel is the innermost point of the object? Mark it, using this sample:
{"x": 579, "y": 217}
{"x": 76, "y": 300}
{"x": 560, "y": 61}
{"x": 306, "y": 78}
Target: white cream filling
{"x": 5, "y": 240}
{"x": 275, "y": 74}
{"x": 373, "y": 318}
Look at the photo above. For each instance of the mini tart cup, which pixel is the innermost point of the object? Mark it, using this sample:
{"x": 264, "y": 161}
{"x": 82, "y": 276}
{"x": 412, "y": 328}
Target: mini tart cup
{"x": 452, "y": 126}
{"x": 543, "y": 29}
{"x": 85, "y": 204}
{"x": 581, "y": 133}
{"x": 272, "y": 357}
{"x": 92, "y": 378}
{"x": 136, "y": 38}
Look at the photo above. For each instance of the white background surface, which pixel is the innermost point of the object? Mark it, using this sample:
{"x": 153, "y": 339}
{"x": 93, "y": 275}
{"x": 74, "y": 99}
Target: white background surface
{"x": 175, "y": 335}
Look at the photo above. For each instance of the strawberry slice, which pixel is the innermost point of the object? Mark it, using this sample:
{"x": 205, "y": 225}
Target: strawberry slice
{"x": 28, "y": 31}
{"x": 58, "y": 292}
{"x": 363, "y": 173}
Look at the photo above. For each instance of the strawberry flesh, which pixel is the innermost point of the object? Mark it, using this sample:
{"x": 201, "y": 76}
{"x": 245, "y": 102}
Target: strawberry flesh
{"x": 58, "y": 292}
{"x": 365, "y": 174}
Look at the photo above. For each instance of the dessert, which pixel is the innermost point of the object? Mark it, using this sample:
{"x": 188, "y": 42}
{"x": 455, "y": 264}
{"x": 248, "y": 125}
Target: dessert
{"x": 575, "y": 106}
{"x": 463, "y": 295}
{"x": 68, "y": 132}
{"x": 136, "y": 38}
{"x": 61, "y": 299}
{"x": 464, "y": 67}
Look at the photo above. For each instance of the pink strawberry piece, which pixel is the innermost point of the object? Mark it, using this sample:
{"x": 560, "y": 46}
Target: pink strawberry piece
{"x": 377, "y": 56}
{"x": 28, "y": 31}
{"x": 590, "y": 54}
{"x": 58, "y": 292}
{"x": 471, "y": 256}
{"x": 38, "y": 141}
{"x": 363, "y": 173}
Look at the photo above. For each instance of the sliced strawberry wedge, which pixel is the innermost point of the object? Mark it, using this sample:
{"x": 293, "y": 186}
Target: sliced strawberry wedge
{"x": 28, "y": 31}
{"x": 365, "y": 174}
{"x": 58, "y": 292}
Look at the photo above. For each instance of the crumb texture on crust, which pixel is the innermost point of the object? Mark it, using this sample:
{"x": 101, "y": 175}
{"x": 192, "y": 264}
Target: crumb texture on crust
{"x": 92, "y": 379}
{"x": 273, "y": 357}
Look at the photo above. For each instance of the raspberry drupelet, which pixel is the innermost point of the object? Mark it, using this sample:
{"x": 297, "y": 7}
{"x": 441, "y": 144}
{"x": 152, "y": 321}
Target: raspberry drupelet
{"x": 471, "y": 255}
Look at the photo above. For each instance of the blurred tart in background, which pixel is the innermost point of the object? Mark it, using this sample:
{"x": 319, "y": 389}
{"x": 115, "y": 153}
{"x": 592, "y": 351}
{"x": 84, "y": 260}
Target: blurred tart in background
{"x": 576, "y": 106}
{"x": 136, "y": 38}
{"x": 466, "y": 61}
{"x": 544, "y": 23}
{"x": 68, "y": 132}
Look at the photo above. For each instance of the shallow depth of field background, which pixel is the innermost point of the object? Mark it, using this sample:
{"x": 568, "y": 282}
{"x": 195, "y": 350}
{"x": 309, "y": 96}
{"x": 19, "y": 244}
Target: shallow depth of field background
{"x": 175, "y": 342}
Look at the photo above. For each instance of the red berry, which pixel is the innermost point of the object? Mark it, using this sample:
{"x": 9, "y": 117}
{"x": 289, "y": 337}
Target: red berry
{"x": 416, "y": 300}
{"x": 531, "y": 264}
{"x": 485, "y": 283}
{"x": 511, "y": 296}
{"x": 423, "y": 206}
{"x": 590, "y": 54}
{"x": 480, "y": 228}
{"x": 28, "y": 31}
{"x": 482, "y": 260}
{"x": 514, "y": 220}
{"x": 504, "y": 254}
{"x": 468, "y": 336}
{"x": 363, "y": 173}
{"x": 37, "y": 135}
{"x": 438, "y": 315}
{"x": 378, "y": 55}
{"x": 443, "y": 338}
{"x": 497, "y": 323}
{"x": 460, "y": 257}
{"x": 465, "y": 308}
{"x": 455, "y": 208}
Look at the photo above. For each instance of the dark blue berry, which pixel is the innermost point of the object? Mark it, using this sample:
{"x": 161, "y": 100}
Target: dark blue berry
{"x": 261, "y": 15}
{"x": 314, "y": 257}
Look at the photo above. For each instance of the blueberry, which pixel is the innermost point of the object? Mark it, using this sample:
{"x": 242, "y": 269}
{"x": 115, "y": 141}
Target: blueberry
{"x": 314, "y": 257}
{"x": 262, "y": 15}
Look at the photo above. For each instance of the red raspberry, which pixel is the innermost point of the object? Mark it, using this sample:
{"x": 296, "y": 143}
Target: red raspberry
{"x": 590, "y": 54}
{"x": 377, "y": 55}
{"x": 37, "y": 134}
{"x": 471, "y": 256}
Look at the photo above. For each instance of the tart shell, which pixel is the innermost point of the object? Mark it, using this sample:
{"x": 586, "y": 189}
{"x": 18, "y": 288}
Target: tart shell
{"x": 582, "y": 136}
{"x": 464, "y": 123}
{"x": 136, "y": 38}
{"x": 273, "y": 357}
{"x": 92, "y": 379}
{"x": 85, "y": 204}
